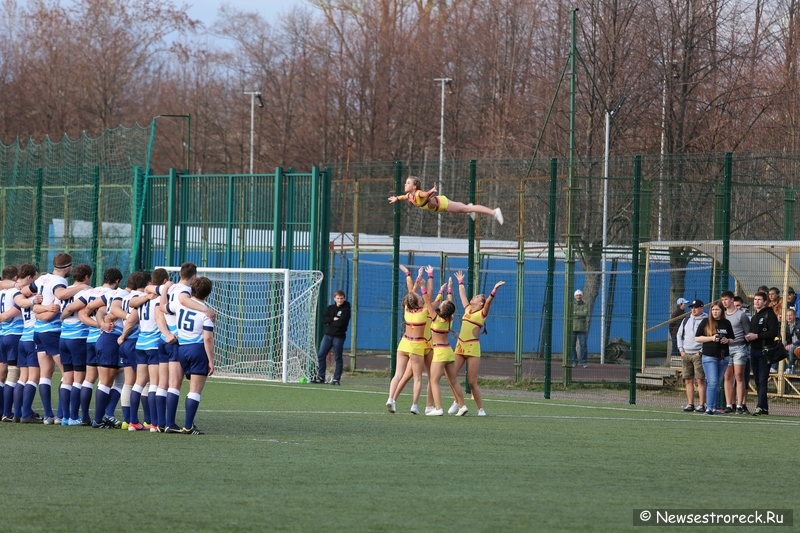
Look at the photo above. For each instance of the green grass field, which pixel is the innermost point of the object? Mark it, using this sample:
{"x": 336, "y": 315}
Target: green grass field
{"x": 316, "y": 457}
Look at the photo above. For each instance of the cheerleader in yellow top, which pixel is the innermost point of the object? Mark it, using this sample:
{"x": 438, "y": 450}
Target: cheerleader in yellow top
{"x": 429, "y": 202}
{"x": 412, "y": 287}
{"x": 443, "y": 357}
{"x": 412, "y": 347}
{"x": 469, "y": 346}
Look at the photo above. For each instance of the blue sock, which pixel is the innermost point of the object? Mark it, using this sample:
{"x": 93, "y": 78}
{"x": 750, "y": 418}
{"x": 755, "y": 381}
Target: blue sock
{"x": 2, "y": 397}
{"x": 113, "y": 400}
{"x": 151, "y": 400}
{"x": 145, "y": 407}
{"x": 59, "y": 405}
{"x": 27, "y": 399}
{"x": 136, "y": 397}
{"x": 101, "y": 402}
{"x": 192, "y": 403}
{"x": 44, "y": 394}
{"x": 173, "y": 397}
{"x": 86, "y": 399}
{"x": 75, "y": 401}
{"x": 161, "y": 407}
{"x": 8, "y": 399}
{"x": 18, "y": 390}
{"x": 64, "y": 394}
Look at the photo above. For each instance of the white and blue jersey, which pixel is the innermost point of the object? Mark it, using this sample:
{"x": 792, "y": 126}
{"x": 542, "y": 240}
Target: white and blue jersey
{"x": 28, "y": 322}
{"x": 16, "y": 325}
{"x": 6, "y": 303}
{"x": 126, "y": 306}
{"x": 87, "y": 298}
{"x": 47, "y": 285}
{"x": 148, "y": 328}
{"x": 191, "y": 325}
{"x": 173, "y": 301}
{"x": 72, "y": 327}
{"x": 109, "y": 298}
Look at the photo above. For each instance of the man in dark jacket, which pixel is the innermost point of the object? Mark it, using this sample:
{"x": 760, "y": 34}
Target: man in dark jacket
{"x": 337, "y": 317}
{"x": 764, "y": 329}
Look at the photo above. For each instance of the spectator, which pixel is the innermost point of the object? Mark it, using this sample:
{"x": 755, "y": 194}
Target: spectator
{"x": 736, "y": 394}
{"x": 775, "y": 301}
{"x": 580, "y": 330}
{"x": 337, "y": 317}
{"x": 764, "y": 329}
{"x": 691, "y": 360}
{"x": 715, "y": 332}
{"x": 791, "y": 299}
{"x": 739, "y": 304}
{"x": 791, "y": 333}
{"x": 674, "y": 324}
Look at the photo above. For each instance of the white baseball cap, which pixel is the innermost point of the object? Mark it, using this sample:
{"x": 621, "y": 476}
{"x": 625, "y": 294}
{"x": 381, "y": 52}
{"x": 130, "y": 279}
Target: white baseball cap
{"x": 579, "y": 292}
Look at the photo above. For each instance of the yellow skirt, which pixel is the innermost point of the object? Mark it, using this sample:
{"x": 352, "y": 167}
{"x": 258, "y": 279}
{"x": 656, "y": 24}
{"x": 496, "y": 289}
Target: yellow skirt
{"x": 469, "y": 349}
{"x": 413, "y": 346}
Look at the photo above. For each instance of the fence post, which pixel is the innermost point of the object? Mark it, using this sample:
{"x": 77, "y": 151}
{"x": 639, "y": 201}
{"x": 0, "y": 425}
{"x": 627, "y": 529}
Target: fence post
{"x": 548, "y": 292}
{"x": 789, "y": 198}
{"x": 96, "y": 224}
{"x": 726, "y": 223}
{"x": 169, "y": 253}
{"x": 289, "y": 220}
{"x": 398, "y": 189}
{"x": 37, "y": 228}
{"x": 471, "y": 268}
{"x": 635, "y": 322}
{"x": 277, "y": 216}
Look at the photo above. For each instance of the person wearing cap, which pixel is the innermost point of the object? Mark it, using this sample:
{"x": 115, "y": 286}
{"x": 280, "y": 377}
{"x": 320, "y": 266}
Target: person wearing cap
{"x": 580, "y": 329}
{"x": 691, "y": 357}
{"x": 674, "y": 324}
{"x": 764, "y": 329}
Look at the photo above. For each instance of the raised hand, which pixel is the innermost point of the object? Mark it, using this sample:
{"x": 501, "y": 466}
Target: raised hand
{"x": 499, "y": 284}
{"x": 459, "y": 276}
{"x": 404, "y": 270}
{"x": 429, "y": 271}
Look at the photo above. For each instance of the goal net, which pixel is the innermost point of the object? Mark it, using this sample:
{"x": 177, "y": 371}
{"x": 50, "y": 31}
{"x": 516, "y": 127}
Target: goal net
{"x": 266, "y": 321}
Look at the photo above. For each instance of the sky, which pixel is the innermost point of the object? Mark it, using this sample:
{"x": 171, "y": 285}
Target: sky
{"x": 206, "y": 10}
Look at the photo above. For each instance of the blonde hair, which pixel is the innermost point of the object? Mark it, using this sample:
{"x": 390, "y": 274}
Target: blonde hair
{"x": 411, "y": 301}
{"x": 711, "y": 325}
{"x": 417, "y": 182}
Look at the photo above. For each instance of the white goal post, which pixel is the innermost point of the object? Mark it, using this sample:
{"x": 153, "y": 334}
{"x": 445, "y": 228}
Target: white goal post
{"x": 266, "y": 321}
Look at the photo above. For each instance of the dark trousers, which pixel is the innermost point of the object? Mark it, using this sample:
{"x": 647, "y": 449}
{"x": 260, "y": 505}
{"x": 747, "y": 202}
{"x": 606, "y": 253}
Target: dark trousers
{"x": 761, "y": 375}
{"x": 337, "y": 344}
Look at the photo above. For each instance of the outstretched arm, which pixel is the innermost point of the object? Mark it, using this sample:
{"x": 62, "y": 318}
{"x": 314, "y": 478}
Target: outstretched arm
{"x": 449, "y": 289}
{"x": 490, "y": 298}
{"x": 409, "y": 284}
{"x": 462, "y": 291}
{"x": 393, "y": 199}
{"x": 417, "y": 281}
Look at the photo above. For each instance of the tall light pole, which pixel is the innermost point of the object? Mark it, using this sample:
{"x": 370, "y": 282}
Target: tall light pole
{"x": 253, "y": 96}
{"x": 603, "y": 318}
{"x": 443, "y": 81}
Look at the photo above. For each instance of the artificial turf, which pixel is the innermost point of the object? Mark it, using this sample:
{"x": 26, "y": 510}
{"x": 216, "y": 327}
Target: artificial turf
{"x": 317, "y": 457}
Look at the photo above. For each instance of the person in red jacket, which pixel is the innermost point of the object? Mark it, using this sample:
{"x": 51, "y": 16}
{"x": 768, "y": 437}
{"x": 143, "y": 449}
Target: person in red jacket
{"x": 337, "y": 317}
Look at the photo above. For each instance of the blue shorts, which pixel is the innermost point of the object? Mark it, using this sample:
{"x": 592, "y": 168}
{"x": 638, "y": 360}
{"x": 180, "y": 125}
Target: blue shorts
{"x": 47, "y": 341}
{"x": 27, "y": 354}
{"x": 127, "y": 353}
{"x": 91, "y": 353}
{"x": 73, "y": 353}
{"x": 108, "y": 350}
{"x": 147, "y": 357}
{"x": 167, "y": 352}
{"x": 8, "y": 349}
{"x": 193, "y": 359}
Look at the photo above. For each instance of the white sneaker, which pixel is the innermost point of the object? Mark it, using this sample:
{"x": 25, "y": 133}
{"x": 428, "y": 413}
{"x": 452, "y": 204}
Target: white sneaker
{"x": 390, "y": 406}
{"x": 481, "y": 412}
{"x": 429, "y": 408}
{"x": 435, "y": 412}
{"x": 453, "y": 409}
{"x": 462, "y": 411}
{"x": 498, "y": 215}
{"x": 414, "y": 409}
{"x": 472, "y": 214}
